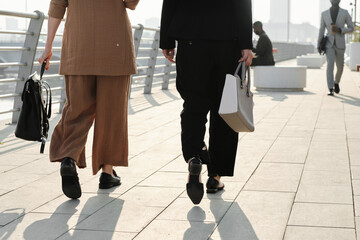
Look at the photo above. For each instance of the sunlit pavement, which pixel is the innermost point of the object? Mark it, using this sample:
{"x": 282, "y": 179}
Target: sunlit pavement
{"x": 297, "y": 176}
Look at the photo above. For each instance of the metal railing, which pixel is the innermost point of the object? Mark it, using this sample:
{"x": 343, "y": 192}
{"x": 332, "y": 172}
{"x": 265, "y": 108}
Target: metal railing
{"x": 153, "y": 68}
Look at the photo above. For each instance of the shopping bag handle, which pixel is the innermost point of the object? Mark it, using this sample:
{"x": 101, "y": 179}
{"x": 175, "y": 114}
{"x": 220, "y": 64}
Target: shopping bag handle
{"x": 244, "y": 71}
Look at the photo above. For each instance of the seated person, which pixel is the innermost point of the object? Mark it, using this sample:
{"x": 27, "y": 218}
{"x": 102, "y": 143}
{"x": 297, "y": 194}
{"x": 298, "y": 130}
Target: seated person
{"x": 264, "y": 49}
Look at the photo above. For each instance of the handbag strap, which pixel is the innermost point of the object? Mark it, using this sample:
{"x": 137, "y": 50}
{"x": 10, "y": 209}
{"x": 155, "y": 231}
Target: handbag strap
{"x": 244, "y": 71}
{"x": 42, "y": 69}
{"x": 47, "y": 88}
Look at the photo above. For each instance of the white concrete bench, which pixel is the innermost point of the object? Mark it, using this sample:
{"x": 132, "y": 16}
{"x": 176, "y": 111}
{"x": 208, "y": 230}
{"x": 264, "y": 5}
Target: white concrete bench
{"x": 280, "y": 78}
{"x": 310, "y": 61}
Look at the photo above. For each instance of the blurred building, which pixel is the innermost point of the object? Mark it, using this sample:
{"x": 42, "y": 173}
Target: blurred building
{"x": 279, "y": 11}
{"x": 299, "y": 33}
{"x": 152, "y": 22}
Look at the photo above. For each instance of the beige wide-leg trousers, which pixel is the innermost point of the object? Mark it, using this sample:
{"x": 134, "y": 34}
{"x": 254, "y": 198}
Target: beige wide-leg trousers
{"x": 103, "y": 99}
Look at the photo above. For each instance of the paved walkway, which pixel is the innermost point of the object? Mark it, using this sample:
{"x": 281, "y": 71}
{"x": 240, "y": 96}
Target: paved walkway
{"x": 297, "y": 176}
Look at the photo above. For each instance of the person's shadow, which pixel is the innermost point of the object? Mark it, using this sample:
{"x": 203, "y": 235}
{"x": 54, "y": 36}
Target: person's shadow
{"x": 106, "y": 222}
{"x": 234, "y": 225}
{"x": 13, "y": 213}
{"x": 197, "y": 228}
{"x": 57, "y": 224}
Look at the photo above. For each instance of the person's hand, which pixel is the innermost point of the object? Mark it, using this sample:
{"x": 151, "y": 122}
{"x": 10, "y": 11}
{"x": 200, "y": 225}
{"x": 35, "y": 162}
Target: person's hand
{"x": 169, "y": 54}
{"x": 335, "y": 29}
{"x": 247, "y": 56}
{"x": 46, "y": 56}
{"x": 319, "y": 50}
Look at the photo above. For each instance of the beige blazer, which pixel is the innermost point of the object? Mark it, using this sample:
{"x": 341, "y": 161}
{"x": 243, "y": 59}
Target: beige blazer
{"x": 97, "y": 37}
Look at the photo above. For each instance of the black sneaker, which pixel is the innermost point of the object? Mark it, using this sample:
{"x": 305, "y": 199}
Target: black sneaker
{"x": 331, "y": 92}
{"x": 109, "y": 181}
{"x": 70, "y": 180}
{"x": 337, "y": 88}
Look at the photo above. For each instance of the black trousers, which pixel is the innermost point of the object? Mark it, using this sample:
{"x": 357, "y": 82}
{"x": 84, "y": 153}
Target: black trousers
{"x": 201, "y": 70}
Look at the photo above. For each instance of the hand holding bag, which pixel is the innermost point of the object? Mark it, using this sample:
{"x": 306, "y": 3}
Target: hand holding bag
{"x": 236, "y": 106}
{"x": 33, "y": 122}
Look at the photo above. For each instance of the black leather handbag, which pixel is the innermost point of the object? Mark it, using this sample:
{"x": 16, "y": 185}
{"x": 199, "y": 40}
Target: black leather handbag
{"x": 33, "y": 122}
{"x": 323, "y": 45}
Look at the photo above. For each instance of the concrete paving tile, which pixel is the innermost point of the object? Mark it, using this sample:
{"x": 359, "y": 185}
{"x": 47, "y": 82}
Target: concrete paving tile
{"x": 16, "y": 159}
{"x": 327, "y": 161}
{"x": 177, "y": 165}
{"x": 177, "y": 230}
{"x": 356, "y": 187}
{"x": 311, "y": 233}
{"x": 4, "y": 191}
{"x": 354, "y": 159}
{"x": 87, "y": 204}
{"x": 166, "y": 179}
{"x": 151, "y": 139}
{"x": 276, "y": 177}
{"x": 208, "y": 210}
{"x": 285, "y": 157}
{"x": 127, "y": 183}
{"x": 263, "y": 215}
{"x": 96, "y": 235}
{"x": 145, "y": 164}
{"x": 243, "y": 172}
{"x": 12, "y": 145}
{"x": 339, "y": 147}
{"x": 120, "y": 216}
{"x": 294, "y": 145}
{"x": 354, "y": 151}
{"x": 27, "y": 198}
{"x": 355, "y": 172}
{"x": 357, "y": 205}
{"x": 6, "y": 168}
{"x": 357, "y": 225}
{"x": 152, "y": 196}
{"x": 40, "y": 167}
{"x": 329, "y": 135}
{"x": 322, "y": 215}
{"x": 337, "y": 194}
{"x": 326, "y": 178}
{"x": 16, "y": 180}
{"x": 40, "y": 226}
{"x": 296, "y": 131}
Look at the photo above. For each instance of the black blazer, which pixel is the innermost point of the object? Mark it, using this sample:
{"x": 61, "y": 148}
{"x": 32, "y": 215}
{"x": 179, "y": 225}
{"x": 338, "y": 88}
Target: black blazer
{"x": 264, "y": 50}
{"x": 206, "y": 20}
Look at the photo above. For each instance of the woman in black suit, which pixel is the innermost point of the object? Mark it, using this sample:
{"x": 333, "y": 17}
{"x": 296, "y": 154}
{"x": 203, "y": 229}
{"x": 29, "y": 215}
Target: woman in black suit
{"x": 213, "y": 36}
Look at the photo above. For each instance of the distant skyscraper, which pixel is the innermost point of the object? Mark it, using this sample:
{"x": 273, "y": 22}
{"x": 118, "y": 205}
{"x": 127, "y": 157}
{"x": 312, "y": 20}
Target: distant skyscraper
{"x": 323, "y": 5}
{"x": 279, "y": 11}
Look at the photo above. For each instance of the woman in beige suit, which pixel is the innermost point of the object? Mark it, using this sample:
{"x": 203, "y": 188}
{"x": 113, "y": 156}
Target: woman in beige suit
{"x": 97, "y": 60}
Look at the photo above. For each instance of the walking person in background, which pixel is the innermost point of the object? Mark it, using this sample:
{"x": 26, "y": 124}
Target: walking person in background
{"x": 264, "y": 49}
{"x": 97, "y": 60}
{"x": 334, "y": 20}
{"x": 212, "y": 38}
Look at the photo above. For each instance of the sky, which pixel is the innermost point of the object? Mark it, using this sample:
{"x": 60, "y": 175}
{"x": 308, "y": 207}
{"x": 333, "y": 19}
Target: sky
{"x": 301, "y": 10}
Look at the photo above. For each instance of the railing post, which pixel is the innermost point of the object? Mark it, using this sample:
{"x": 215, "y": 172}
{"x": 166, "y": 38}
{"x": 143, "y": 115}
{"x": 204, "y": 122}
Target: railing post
{"x": 167, "y": 70}
{"x": 31, "y": 42}
{"x": 137, "y": 40}
{"x": 152, "y": 63}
